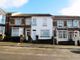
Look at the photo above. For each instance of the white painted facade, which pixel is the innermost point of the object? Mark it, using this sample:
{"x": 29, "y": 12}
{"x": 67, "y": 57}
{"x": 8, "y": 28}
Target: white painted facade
{"x": 2, "y": 21}
{"x": 42, "y": 27}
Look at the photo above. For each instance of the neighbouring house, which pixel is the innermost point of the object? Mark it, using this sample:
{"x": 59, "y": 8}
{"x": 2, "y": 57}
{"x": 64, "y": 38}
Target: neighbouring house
{"x": 66, "y": 28}
{"x": 2, "y": 21}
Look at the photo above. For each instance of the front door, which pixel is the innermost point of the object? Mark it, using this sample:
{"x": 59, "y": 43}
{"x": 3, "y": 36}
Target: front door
{"x": 34, "y": 34}
{"x": 70, "y": 35}
{"x": 27, "y": 34}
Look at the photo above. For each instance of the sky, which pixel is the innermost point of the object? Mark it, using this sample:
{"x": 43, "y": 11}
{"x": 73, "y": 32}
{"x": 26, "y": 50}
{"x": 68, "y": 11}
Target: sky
{"x": 55, "y": 7}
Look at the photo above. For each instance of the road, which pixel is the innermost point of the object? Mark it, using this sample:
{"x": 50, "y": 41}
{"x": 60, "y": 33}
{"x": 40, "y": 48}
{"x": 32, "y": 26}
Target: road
{"x": 29, "y": 53}
{"x": 26, "y": 57}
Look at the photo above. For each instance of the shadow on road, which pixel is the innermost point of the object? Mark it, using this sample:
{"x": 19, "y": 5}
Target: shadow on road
{"x": 76, "y": 51}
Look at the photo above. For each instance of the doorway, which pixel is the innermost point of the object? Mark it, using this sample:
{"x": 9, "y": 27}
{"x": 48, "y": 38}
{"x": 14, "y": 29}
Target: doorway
{"x": 34, "y": 34}
{"x": 70, "y": 35}
{"x": 27, "y": 35}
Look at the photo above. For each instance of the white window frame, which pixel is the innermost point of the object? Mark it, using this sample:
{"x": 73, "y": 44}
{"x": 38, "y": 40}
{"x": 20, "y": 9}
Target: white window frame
{"x": 45, "y": 35}
{"x": 28, "y": 21}
{"x": 45, "y": 22}
{"x": 18, "y": 21}
{"x": 60, "y": 23}
{"x": 34, "y": 22}
{"x": 69, "y": 23}
{"x": 75, "y": 23}
{"x": 2, "y": 19}
{"x": 2, "y": 29}
{"x": 62, "y": 34}
{"x": 17, "y": 31}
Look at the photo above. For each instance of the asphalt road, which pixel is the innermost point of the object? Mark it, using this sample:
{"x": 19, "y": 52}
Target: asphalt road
{"x": 26, "y": 57}
{"x": 26, "y": 53}
{"x": 35, "y": 57}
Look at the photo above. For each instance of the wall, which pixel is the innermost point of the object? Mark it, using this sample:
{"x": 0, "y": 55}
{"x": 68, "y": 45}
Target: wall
{"x": 40, "y": 26}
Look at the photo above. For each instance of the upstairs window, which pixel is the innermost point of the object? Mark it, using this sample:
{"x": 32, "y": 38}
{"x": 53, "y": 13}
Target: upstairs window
{"x": 45, "y": 22}
{"x": 34, "y": 22}
{"x": 75, "y": 23}
{"x": 69, "y": 23}
{"x": 28, "y": 21}
{"x": 54, "y": 23}
{"x": 12, "y": 21}
{"x": 18, "y": 21}
{"x": 60, "y": 23}
{"x": 2, "y": 19}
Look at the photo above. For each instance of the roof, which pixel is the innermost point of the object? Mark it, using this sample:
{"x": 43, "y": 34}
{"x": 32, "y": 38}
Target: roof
{"x": 19, "y": 15}
{"x": 2, "y": 12}
{"x": 66, "y": 17}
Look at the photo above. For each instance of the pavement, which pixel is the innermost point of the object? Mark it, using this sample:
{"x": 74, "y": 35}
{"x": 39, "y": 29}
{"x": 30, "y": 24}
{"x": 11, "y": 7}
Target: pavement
{"x": 14, "y": 44}
{"x": 29, "y": 51}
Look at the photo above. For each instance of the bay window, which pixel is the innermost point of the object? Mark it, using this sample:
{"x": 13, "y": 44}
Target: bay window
{"x": 62, "y": 34}
{"x": 2, "y": 29}
{"x": 17, "y": 31}
{"x": 45, "y": 33}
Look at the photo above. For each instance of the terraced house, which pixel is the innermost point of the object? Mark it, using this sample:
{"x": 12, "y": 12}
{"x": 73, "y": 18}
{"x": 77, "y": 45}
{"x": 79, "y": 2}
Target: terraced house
{"x": 66, "y": 28}
{"x": 38, "y": 26}
{"x": 35, "y": 27}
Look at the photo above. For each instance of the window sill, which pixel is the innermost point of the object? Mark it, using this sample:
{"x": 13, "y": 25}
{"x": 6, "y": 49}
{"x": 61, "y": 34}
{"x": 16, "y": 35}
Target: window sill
{"x": 44, "y": 36}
